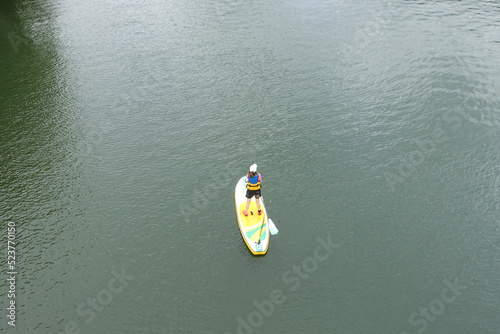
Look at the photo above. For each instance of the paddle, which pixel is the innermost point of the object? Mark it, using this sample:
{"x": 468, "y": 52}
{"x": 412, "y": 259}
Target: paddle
{"x": 260, "y": 234}
{"x": 272, "y": 227}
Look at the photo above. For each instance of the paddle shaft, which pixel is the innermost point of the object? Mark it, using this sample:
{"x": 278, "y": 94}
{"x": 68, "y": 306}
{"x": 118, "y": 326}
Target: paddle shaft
{"x": 263, "y": 220}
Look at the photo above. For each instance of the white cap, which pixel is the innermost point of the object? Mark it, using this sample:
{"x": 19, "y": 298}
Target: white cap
{"x": 253, "y": 168}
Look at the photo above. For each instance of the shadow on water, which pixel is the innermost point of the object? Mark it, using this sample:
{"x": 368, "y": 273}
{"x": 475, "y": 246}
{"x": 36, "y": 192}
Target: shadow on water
{"x": 40, "y": 178}
{"x": 35, "y": 97}
{"x": 43, "y": 188}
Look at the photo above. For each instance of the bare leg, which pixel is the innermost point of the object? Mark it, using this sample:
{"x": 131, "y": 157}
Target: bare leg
{"x": 248, "y": 204}
{"x": 258, "y": 202}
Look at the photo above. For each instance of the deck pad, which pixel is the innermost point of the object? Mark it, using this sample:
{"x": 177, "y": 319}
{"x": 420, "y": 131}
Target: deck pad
{"x": 253, "y": 225}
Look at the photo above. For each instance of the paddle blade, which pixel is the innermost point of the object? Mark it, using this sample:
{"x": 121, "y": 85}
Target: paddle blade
{"x": 272, "y": 227}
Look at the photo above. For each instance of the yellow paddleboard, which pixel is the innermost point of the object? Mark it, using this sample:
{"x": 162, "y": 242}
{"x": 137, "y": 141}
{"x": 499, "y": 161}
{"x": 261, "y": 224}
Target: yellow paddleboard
{"x": 254, "y": 228}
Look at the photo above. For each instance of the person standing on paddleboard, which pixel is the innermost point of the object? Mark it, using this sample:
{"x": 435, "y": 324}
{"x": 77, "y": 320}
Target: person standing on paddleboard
{"x": 253, "y": 180}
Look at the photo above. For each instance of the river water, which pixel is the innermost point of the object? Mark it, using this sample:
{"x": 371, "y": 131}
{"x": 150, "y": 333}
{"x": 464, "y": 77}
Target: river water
{"x": 124, "y": 127}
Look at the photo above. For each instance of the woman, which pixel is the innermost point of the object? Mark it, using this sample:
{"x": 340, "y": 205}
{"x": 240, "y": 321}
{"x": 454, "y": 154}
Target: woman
{"x": 253, "y": 181}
